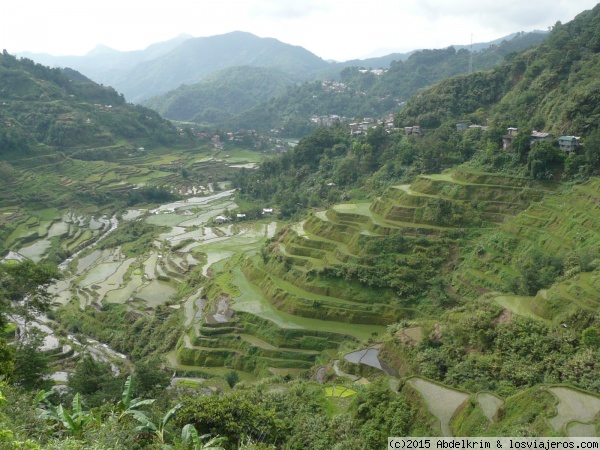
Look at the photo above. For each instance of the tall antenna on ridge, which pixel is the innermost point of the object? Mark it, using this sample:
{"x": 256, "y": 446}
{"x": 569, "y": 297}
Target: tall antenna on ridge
{"x": 471, "y": 56}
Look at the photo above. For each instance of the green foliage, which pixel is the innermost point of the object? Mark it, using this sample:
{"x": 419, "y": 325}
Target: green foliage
{"x": 476, "y": 351}
{"x": 550, "y": 87}
{"x": 190, "y": 438}
{"x": 221, "y": 95}
{"x": 134, "y": 237}
{"x": 95, "y": 381}
{"x": 542, "y": 159}
{"x": 232, "y": 378}
{"x": 234, "y": 416}
{"x": 381, "y": 413}
{"x": 590, "y": 337}
{"x": 536, "y": 271}
{"x": 30, "y": 364}
{"x": 47, "y": 106}
{"x": 23, "y": 288}
{"x": 75, "y": 422}
{"x": 158, "y": 429}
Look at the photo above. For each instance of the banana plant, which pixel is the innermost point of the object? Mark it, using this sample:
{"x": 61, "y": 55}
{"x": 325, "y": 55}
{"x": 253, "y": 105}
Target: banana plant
{"x": 127, "y": 405}
{"x": 190, "y": 438}
{"x": 75, "y": 422}
{"x": 158, "y": 429}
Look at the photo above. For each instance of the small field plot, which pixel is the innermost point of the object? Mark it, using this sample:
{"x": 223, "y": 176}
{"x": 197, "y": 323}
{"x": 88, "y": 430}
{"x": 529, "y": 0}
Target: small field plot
{"x": 339, "y": 391}
{"x": 489, "y": 404}
{"x": 36, "y": 251}
{"x": 124, "y": 294}
{"x": 576, "y": 429}
{"x": 523, "y": 306}
{"x": 100, "y": 272}
{"x": 573, "y": 406}
{"x": 441, "y": 401}
{"x": 156, "y": 293}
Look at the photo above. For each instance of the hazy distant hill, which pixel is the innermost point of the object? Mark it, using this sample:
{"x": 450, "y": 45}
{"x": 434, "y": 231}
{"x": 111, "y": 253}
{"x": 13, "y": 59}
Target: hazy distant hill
{"x": 196, "y": 58}
{"x": 103, "y": 63}
{"x": 221, "y": 95}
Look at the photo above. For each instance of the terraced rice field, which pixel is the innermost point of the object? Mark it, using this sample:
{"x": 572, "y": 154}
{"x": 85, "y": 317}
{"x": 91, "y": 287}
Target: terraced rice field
{"x": 490, "y": 404}
{"x": 441, "y": 401}
{"x": 339, "y": 391}
{"x": 573, "y": 406}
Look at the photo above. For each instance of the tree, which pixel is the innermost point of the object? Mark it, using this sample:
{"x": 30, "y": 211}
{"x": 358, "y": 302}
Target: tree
{"x": 542, "y": 158}
{"x": 150, "y": 378}
{"x": 95, "y": 381}
{"x": 30, "y": 364}
{"x": 23, "y": 290}
{"x": 232, "y": 378}
{"x": 591, "y": 337}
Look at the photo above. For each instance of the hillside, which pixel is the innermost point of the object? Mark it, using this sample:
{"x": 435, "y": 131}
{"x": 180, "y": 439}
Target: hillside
{"x": 102, "y": 63}
{"x": 53, "y": 110}
{"x": 363, "y": 93}
{"x": 196, "y": 58}
{"x": 551, "y": 87}
{"x": 221, "y": 95}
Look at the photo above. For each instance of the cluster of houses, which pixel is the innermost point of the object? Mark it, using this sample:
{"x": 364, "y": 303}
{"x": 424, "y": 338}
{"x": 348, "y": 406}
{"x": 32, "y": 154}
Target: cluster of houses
{"x": 259, "y": 141}
{"x": 241, "y": 216}
{"x": 357, "y": 128}
{"x": 328, "y": 120}
{"x": 567, "y": 144}
{"x": 373, "y": 71}
{"x": 333, "y": 86}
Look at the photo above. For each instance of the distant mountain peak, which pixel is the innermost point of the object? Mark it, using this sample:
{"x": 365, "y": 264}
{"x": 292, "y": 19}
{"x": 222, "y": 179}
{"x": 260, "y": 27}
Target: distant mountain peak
{"x": 101, "y": 50}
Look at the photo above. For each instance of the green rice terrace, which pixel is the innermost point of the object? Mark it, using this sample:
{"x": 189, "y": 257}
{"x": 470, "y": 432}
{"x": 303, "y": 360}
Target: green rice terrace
{"x": 277, "y": 299}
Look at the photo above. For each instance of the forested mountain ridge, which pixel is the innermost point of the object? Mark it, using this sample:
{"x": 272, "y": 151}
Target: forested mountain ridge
{"x": 364, "y": 93}
{"x": 65, "y": 110}
{"x": 221, "y": 95}
{"x": 196, "y": 58}
{"x": 552, "y": 87}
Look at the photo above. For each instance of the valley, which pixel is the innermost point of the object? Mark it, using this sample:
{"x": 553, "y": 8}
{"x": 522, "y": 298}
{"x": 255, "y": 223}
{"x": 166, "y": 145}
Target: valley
{"x": 289, "y": 262}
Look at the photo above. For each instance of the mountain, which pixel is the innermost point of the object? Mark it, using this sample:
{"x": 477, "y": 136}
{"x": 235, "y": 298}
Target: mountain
{"x": 44, "y": 110}
{"x": 552, "y": 87}
{"x": 196, "y": 58}
{"x": 102, "y": 63}
{"x": 221, "y": 95}
{"x": 363, "y": 93}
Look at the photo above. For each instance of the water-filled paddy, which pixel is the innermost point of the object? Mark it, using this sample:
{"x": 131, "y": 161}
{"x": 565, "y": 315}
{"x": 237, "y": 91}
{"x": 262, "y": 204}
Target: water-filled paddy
{"x": 124, "y": 294}
{"x": 36, "y": 251}
{"x": 156, "y": 293}
{"x": 100, "y": 272}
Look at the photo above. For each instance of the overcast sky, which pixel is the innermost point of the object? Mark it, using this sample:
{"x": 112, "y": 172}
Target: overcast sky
{"x": 332, "y": 29}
